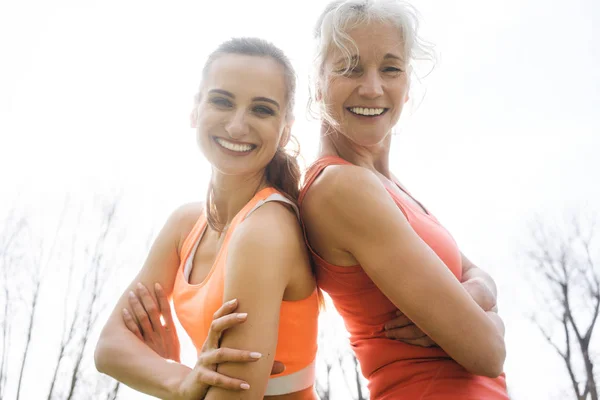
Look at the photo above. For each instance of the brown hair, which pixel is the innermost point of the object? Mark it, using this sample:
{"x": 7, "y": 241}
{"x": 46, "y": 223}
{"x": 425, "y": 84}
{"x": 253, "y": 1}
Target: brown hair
{"x": 283, "y": 171}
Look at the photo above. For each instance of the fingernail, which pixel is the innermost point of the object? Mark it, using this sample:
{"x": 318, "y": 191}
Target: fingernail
{"x": 157, "y": 287}
{"x": 242, "y": 315}
{"x": 131, "y": 295}
{"x": 245, "y": 386}
{"x": 140, "y": 286}
{"x": 125, "y": 312}
{"x": 231, "y": 302}
{"x": 256, "y": 355}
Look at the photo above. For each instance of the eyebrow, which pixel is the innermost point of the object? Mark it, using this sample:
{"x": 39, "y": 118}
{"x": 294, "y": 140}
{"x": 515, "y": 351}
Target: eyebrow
{"x": 354, "y": 59}
{"x": 259, "y": 98}
{"x": 393, "y": 57}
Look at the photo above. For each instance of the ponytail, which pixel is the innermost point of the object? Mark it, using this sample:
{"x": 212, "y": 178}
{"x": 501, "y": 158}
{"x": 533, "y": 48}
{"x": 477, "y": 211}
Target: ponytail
{"x": 283, "y": 172}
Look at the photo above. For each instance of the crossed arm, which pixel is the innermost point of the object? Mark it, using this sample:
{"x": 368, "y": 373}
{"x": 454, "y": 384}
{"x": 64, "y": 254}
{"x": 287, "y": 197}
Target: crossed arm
{"x": 382, "y": 237}
{"x": 139, "y": 363}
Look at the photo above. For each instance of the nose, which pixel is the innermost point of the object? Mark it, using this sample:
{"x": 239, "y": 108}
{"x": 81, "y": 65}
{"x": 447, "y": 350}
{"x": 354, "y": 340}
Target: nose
{"x": 371, "y": 85}
{"x": 237, "y": 127}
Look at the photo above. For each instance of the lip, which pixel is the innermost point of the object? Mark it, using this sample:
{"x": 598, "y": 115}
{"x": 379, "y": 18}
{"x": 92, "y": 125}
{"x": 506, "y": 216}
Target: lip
{"x": 231, "y": 152}
{"x": 367, "y": 117}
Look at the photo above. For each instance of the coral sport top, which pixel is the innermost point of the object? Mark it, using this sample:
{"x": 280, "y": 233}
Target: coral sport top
{"x": 396, "y": 370}
{"x": 195, "y": 305}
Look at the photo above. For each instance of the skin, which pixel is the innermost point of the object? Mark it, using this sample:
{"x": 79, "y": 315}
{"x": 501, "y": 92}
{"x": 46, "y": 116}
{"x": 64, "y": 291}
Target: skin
{"x": 367, "y": 144}
{"x": 242, "y": 101}
{"x": 471, "y": 335}
{"x": 153, "y": 324}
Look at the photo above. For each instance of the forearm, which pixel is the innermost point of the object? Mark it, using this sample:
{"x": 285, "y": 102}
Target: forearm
{"x": 122, "y": 356}
{"x": 256, "y": 374}
{"x": 497, "y": 322}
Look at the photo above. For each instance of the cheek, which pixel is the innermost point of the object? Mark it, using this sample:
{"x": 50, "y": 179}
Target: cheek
{"x": 207, "y": 122}
{"x": 337, "y": 94}
{"x": 204, "y": 129}
{"x": 272, "y": 132}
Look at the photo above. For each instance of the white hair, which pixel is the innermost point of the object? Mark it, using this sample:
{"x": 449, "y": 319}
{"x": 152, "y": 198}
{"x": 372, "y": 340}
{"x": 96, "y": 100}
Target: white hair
{"x": 341, "y": 16}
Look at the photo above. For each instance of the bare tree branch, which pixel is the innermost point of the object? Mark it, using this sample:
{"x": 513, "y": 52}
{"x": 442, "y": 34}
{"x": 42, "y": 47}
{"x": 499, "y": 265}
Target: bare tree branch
{"x": 564, "y": 259}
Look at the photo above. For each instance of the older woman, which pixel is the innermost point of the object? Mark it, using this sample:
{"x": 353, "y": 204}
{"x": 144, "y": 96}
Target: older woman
{"x": 376, "y": 248}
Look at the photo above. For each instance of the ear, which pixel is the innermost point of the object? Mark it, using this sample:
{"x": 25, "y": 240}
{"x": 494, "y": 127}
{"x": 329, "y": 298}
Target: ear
{"x": 194, "y": 117}
{"x": 287, "y": 133}
{"x": 318, "y": 94}
{"x": 408, "y": 83}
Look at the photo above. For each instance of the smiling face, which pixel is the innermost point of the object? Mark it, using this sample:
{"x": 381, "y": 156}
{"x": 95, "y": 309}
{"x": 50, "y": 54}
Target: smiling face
{"x": 365, "y": 96}
{"x": 241, "y": 117}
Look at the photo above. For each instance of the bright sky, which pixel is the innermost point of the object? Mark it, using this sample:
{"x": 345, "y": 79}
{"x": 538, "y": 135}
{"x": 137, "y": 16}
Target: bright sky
{"x": 95, "y": 95}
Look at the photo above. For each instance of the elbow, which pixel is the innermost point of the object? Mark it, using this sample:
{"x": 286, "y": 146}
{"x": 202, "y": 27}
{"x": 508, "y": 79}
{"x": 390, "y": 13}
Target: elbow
{"x": 100, "y": 356}
{"x": 106, "y": 353}
{"x": 491, "y": 369}
{"x": 491, "y": 362}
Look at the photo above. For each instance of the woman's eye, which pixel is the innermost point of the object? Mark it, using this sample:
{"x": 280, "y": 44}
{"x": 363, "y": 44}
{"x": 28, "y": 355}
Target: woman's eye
{"x": 264, "y": 110}
{"x": 392, "y": 69}
{"x": 220, "y": 101}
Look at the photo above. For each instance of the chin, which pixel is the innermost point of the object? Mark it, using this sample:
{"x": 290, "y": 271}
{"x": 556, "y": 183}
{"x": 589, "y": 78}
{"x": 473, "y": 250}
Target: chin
{"x": 368, "y": 139}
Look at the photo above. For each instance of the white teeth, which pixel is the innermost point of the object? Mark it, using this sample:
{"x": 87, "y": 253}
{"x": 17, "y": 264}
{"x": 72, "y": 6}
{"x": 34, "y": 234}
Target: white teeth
{"x": 367, "y": 111}
{"x": 234, "y": 146}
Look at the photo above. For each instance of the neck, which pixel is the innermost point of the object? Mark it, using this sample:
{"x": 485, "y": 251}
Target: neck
{"x": 376, "y": 158}
{"x": 231, "y": 193}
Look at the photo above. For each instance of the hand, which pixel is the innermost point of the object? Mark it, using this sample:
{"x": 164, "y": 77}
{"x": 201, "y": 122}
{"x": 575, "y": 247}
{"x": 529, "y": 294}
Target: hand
{"x": 481, "y": 293}
{"x": 204, "y": 375}
{"x": 403, "y": 329}
{"x": 146, "y": 322}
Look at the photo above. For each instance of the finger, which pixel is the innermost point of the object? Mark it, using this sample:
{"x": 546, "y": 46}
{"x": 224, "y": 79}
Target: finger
{"x": 131, "y": 324}
{"x": 407, "y": 333}
{"x": 226, "y": 308}
{"x": 480, "y": 292}
{"x": 213, "y": 378}
{"x": 150, "y": 307}
{"x": 278, "y": 367}
{"x": 398, "y": 322}
{"x": 220, "y": 324}
{"x": 224, "y": 354}
{"x": 140, "y": 315}
{"x": 228, "y": 321}
{"x": 164, "y": 306}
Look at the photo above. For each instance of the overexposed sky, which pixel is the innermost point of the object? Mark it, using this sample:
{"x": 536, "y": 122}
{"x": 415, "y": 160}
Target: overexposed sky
{"x": 95, "y": 95}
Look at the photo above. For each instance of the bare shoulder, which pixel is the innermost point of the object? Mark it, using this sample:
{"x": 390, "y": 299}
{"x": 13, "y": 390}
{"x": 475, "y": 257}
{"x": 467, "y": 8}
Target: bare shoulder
{"x": 273, "y": 226}
{"x": 340, "y": 191}
{"x": 187, "y": 212}
{"x": 182, "y": 220}
{"x": 271, "y": 236}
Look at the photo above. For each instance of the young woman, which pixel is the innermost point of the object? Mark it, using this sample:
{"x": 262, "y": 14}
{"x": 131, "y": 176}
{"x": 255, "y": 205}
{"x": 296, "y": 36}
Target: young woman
{"x": 243, "y": 248}
{"x": 377, "y": 249}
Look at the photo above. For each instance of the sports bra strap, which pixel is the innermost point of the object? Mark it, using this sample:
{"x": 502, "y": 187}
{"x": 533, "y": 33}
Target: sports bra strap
{"x": 275, "y": 197}
{"x": 315, "y": 170}
{"x": 187, "y": 269}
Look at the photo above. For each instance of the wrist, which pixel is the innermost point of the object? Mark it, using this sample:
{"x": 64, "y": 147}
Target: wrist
{"x": 174, "y": 383}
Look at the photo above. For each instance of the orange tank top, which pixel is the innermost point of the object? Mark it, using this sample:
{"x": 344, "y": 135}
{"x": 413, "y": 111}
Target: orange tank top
{"x": 195, "y": 305}
{"x": 396, "y": 370}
